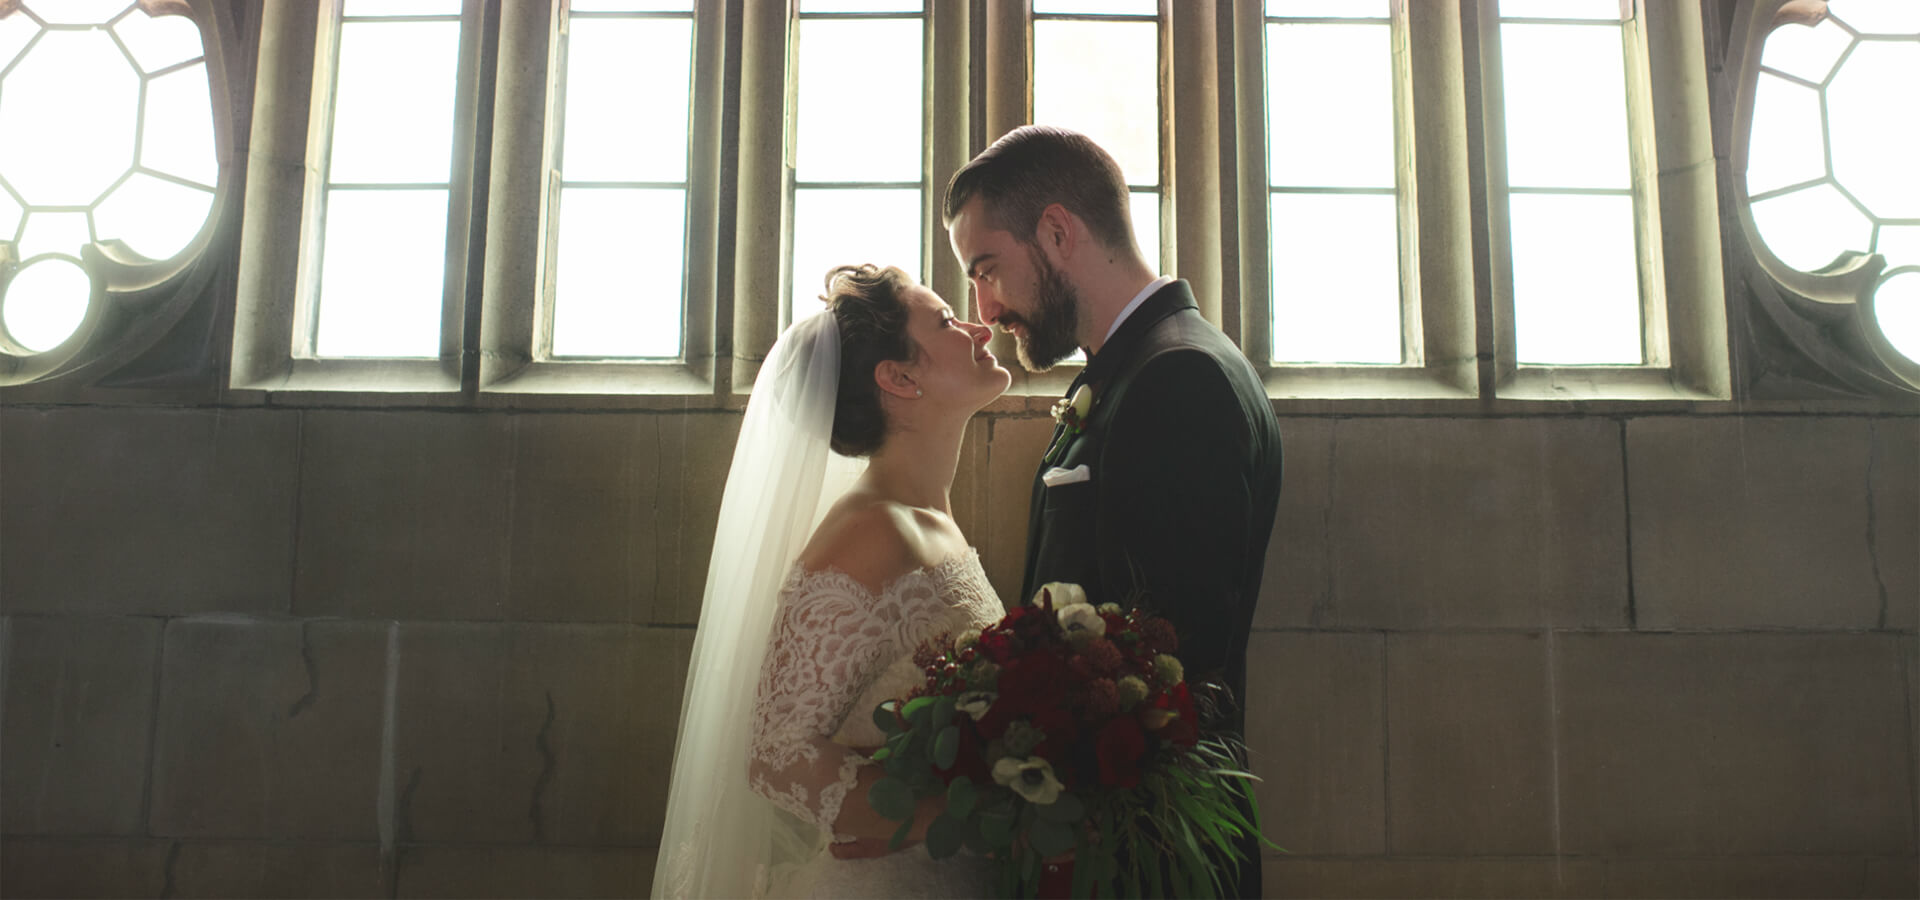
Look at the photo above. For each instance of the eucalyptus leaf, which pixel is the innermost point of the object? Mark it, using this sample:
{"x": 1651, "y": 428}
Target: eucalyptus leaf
{"x": 945, "y": 835}
{"x": 1067, "y": 808}
{"x": 960, "y": 798}
{"x": 916, "y": 709}
{"x": 997, "y": 829}
{"x": 881, "y": 754}
{"x": 883, "y": 717}
{"x": 892, "y": 798}
{"x": 900, "y": 835}
{"x": 943, "y": 709}
{"x": 946, "y": 747}
{"x": 1050, "y": 838}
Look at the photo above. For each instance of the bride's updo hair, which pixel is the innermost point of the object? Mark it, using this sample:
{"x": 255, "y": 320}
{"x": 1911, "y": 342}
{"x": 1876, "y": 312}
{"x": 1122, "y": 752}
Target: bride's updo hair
{"x": 867, "y": 303}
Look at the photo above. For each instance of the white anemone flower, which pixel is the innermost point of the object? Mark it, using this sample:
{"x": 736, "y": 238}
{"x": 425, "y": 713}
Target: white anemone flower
{"x": 1082, "y": 618}
{"x": 976, "y": 703}
{"x": 1031, "y": 778}
{"x": 1064, "y": 594}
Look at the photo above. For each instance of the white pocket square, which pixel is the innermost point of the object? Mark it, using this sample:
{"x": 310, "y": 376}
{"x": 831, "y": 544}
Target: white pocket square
{"x": 1057, "y": 476}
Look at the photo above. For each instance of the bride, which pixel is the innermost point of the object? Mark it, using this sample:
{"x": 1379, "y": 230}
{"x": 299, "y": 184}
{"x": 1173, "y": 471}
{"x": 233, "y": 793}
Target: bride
{"x": 816, "y": 601}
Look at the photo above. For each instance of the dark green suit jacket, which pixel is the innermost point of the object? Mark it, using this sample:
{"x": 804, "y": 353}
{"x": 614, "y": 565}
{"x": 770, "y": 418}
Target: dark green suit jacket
{"x": 1183, "y": 458}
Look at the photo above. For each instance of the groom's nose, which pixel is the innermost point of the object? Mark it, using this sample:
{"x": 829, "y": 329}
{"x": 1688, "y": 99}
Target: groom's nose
{"x": 990, "y": 310}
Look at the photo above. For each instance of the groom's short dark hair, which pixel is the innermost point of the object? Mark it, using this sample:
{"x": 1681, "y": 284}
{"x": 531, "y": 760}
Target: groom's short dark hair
{"x": 1035, "y": 166}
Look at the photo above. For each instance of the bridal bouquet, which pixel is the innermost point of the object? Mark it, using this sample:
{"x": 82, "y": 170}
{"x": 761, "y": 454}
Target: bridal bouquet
{"x": 1067, "y": 727}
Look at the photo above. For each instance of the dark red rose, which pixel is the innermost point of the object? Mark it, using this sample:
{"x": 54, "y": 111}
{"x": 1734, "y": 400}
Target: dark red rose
{"x": 1121, "y": 744}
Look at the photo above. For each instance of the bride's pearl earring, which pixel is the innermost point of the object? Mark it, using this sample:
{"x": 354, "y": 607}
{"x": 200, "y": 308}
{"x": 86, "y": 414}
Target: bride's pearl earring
{"x": 919, "y": 393}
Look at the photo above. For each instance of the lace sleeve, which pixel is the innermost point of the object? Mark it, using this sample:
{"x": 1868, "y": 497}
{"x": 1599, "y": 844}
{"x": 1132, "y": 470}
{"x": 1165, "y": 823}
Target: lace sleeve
{"x": 826, "y": 648}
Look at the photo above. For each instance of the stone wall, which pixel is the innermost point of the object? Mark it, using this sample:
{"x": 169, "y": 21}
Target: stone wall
{"x": 277, "y": 652}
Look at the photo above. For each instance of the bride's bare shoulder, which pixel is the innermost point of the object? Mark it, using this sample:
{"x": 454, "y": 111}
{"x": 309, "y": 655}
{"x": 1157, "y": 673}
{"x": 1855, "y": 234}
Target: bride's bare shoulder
{"x": 868, "y": 538}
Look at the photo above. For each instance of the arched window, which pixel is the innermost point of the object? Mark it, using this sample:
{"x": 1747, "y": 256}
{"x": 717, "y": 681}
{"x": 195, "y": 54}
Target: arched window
{"x": 1826, "y": 188}
{"x": 111, "y": 180}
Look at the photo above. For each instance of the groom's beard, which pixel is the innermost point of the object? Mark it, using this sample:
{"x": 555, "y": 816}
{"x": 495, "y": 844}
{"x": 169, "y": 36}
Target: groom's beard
{"x": 1049, "y": 335}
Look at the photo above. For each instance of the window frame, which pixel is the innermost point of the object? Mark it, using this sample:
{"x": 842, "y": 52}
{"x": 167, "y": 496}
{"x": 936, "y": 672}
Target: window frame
{"x": 497, "y": 290}
{"x": 1451, "y": 112}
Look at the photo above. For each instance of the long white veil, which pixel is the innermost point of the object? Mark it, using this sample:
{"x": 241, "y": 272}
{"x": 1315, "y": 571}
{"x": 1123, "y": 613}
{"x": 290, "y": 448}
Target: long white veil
{"x": 721, "y": 839}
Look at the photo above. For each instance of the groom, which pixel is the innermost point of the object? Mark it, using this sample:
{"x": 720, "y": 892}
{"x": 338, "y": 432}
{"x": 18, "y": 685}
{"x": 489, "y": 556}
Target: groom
{"x": 1165, "y": 496}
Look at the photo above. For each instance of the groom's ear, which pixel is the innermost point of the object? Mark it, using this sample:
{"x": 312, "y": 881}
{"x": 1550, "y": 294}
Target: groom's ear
{"x": 1057, "y": 231}
{"x": 893, "y": 377}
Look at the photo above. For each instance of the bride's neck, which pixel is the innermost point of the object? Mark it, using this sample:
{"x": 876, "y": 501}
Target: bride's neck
{"x": 915, "y": 466}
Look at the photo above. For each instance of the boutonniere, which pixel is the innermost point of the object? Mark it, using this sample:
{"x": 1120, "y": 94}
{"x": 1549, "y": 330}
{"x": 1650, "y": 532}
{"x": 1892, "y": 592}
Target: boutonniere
{"x": 1071, "y": 414}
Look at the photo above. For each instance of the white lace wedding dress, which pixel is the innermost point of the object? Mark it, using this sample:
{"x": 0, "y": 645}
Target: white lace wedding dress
{"x": 837, "y": 651}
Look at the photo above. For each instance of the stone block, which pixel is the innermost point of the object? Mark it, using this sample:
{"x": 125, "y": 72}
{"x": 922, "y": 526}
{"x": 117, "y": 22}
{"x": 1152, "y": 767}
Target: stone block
{"x": 1477, "y": 523}
{"x": 970, "y": 484}
{"x": 1427, "y": 878}
{"x": 1752, "y": 522}
{"x": 523, "y": 873}
{"x": 559, "y": 734}
{"x": 270, "y": 730}
{"x": 404, "y": 515}
{"x": 584, "y": 517}
{"x": 278, "y": 871}
{"x": 695, "y": 452}
{"x": 79, "y": 724}
{"x": 1747, "y": 877}
{"x": 1738, "y": 744}
{"x": 146, "y": 510}
{"x": 58, "y": 868}
{"x": 1316, "y": 732}
{"x": 1013, "y": 461}
{"x": 1469, "y": 745}
{"x": 1295, "y": 588}
{"x": 1894, "y": 472}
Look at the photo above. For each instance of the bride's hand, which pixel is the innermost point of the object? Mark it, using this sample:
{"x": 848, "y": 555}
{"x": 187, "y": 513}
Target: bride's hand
{"x": 864, "y": 848}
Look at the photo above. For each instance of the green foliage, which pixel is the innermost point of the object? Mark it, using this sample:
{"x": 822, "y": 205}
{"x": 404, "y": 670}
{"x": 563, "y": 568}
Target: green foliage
{"x": 1174, "y": 832}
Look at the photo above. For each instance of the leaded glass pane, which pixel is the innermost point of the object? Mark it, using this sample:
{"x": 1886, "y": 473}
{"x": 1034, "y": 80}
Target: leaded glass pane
{"x": 1896, "y": 305}
{"x": 15, "y": 32}
{"x": 1326, "y": 9}
{"x": 77, "y": 12}
{"x": 53, "y": 232}
{"x": 1096, "y": 7}
{"x": 155, "y": 217}
{"x": 619, "y": 273}
{"x": 72, "y": 159}
{"x": 1787, "y": 148}
{"x": 10, "y": 215}
{"x": 157, "y": 42}
{"x": 44, "y": 302}
{"x": 580, "y": 6}
{"x": 1330, "y": 105}
{"x": 905, "y": 7}
{"x": 400, "y": 8}
{"x": 383, "y": 274}
{"x": 1900, "y": 244}
{"x": 1805, "y": 52}
{"x": 393, "y": 102}
{"x": 177, "y": 134}
{"x": 1876, "y": 137}
{"x": 1336, "y": 279}
{"x": 841, "y": 227}
{"x": 859, "y": 101}
{"x": 1101, "y": 79}
{"x": 1901, "y": 17}
{"x": 1810, "y": 228}
{"x": 1605, "y": 10}
{"x": 627, "y": 99}
{"x": 1576, "y": 282}
{"x": 1565, "y": 131}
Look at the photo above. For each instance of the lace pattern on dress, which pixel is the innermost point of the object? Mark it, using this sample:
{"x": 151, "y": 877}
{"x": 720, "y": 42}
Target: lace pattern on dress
{"x": 832, "y": 641}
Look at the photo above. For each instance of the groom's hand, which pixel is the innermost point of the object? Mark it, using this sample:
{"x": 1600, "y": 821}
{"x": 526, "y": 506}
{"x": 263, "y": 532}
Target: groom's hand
{"x": 864, "y": 848}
